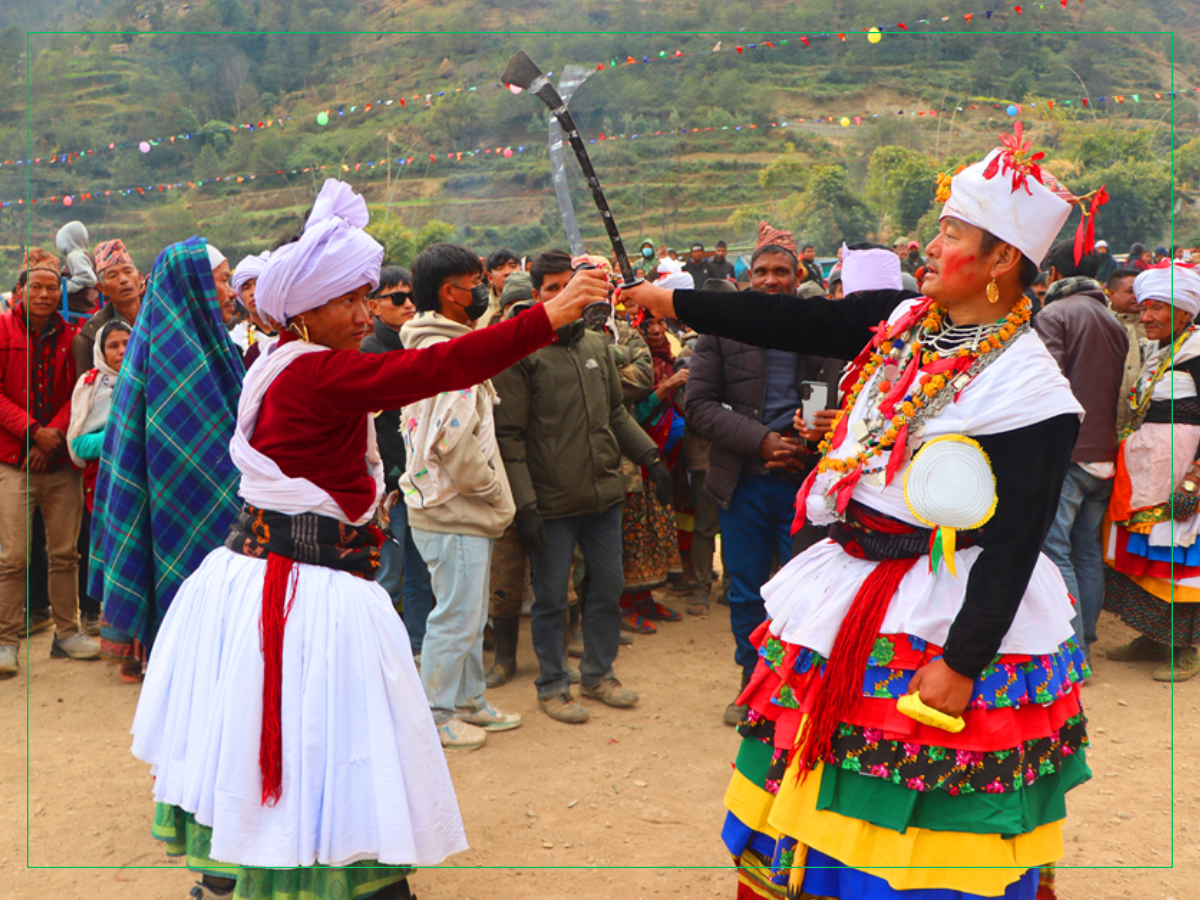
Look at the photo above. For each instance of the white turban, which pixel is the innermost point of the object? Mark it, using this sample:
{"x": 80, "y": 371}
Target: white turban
{"x": 1028, "y": 219}
{"x": 215, "y": 256}
{"x": 249, "y": 268}
{"x": 873, "y": 269}
{"x": 1176, "y": 284}
{"x": 333, "y": 257}
{"x": 672, "y": 277}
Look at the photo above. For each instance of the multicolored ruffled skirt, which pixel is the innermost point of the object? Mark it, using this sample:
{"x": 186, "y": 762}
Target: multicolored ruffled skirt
{"x": 898, "y": 810}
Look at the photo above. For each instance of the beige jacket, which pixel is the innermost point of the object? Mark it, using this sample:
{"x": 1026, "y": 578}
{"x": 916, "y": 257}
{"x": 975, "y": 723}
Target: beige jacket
{"x": 455, "y": 481}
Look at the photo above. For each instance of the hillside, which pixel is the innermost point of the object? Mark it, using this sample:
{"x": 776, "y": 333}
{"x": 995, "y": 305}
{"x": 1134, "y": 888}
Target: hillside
{"x": 938, "y": 92}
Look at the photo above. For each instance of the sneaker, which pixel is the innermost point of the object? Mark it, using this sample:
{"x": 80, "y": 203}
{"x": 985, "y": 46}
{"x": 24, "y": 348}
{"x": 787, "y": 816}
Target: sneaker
{"x": 456, "y": 734}
{"x": 1187, "y": 665}
{"x": 489, "y": 718}
{"x": 625, "y": 639}
{"x": 609, "y": 691}
{"x": 563, "y": 708}
{"x": 572, "y": 672}
{"x": 204, "y": 891}
{"x": 91, "y": 624}
{"x": 77, "y": 646}
{"x": 8, "y": 660}
{"x": 38, "y": 621}
{"x": 1140, "y": 649}
{"x": 734, "y": 714}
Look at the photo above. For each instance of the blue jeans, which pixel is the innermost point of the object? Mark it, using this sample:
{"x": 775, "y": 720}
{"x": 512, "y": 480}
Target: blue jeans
{"x": 756, "y": 526}
{"x": 460, "y": 566}
{"x": 1074, "y": 544}
{"x": 404, "y": 575}
{"x": 599, "y": 535}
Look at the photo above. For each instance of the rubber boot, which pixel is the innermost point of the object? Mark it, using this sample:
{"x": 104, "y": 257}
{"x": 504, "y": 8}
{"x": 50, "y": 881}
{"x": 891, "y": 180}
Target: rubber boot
{"x": 506, "y": 629}
{"x": 574, "y": 632}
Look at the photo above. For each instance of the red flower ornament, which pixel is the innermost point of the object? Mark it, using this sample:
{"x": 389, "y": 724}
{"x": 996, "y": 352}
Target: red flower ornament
{"x": 1015, "y": 157}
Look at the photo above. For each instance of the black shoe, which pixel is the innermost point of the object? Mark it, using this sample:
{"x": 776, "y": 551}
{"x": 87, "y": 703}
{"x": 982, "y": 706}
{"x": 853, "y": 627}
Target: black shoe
{"x": 38, "y": 621}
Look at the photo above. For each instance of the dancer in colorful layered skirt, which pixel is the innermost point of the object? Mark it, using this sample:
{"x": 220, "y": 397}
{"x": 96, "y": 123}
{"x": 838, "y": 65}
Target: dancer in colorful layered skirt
{"x": 939, "y": 484}
{"x": 293, "y": 750}
{"x": 1153, "y": 580}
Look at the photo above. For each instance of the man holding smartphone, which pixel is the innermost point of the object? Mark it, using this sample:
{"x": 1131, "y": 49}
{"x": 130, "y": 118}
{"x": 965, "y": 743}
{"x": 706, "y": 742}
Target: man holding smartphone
{"x": 745, "y": 399}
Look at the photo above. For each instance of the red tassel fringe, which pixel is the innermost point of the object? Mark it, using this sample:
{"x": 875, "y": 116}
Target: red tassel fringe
{"x": 276, "y": 605}
{"x": 841, "y": 687}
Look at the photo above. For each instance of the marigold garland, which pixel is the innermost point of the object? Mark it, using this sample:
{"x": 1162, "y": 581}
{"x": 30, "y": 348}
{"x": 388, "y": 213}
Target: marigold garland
{"x": 894, "y": 348}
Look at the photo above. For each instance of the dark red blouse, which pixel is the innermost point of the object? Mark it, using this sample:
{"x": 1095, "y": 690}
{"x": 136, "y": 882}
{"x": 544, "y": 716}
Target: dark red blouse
{"x": 313, "y": 419}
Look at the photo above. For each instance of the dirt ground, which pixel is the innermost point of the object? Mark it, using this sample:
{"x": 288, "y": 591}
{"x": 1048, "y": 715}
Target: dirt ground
{"x": 629, "y": 799}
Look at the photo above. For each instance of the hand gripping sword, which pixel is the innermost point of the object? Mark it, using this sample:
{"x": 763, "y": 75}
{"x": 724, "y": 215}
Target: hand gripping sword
{"x": 524, "y": 73}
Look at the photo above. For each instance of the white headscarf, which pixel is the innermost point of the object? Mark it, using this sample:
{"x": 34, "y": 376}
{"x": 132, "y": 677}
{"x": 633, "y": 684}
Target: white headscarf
{"x": 92, "y": 398}
{"x": 873, "y": 269}
{"x": 1176, "y": 284}
{"x": 672, "y": 277}
{"x": 215, "y": 256}
{"x": 72, "y": 242}
{"x": 248, "y": 269}
{"x": 333, "y": 257}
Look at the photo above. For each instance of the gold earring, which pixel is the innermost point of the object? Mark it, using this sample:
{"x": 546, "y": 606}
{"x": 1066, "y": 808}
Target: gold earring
{"x": 993, "y": 292}
{"x": 301, "y": 329}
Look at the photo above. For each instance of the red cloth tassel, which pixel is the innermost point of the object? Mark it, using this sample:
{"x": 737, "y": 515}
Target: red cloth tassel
{"x": 844, "y": 489}
{"x": 897, "y": 455}
{"x": 276, "y": 605}
{"x": 841, "y": 687}
{"x": 802, "y": 500}
{"x": 896, "y": 394}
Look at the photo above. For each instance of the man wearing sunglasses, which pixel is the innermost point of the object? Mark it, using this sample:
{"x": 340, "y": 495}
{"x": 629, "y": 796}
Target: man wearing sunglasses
{"x": 399, "y": 560}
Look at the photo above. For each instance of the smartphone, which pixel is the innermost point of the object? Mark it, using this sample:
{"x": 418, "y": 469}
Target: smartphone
{"x": 814, "y": 396}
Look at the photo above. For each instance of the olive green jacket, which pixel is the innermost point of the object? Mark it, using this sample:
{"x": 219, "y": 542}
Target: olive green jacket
{"x": 562, "y": 427}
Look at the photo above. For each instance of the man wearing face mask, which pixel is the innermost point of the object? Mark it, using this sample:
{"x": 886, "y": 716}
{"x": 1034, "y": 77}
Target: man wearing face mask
{"x": 458, "y": 498}
{"x": 648, "y": 261}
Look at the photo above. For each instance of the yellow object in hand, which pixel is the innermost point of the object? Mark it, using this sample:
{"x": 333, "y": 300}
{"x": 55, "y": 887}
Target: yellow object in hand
{"x": 911, "y": 706}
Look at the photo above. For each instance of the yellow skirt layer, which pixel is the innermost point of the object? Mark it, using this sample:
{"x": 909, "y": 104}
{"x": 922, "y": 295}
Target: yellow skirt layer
{"x": 917, "y": 859}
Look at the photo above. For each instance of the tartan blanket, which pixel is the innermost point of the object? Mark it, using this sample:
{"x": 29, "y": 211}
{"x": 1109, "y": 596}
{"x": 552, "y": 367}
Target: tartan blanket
{"x": 166, "y": 491}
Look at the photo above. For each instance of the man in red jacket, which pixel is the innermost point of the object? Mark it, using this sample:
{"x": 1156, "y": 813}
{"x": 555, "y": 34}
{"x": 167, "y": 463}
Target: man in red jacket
{"x": 37, "y": 375}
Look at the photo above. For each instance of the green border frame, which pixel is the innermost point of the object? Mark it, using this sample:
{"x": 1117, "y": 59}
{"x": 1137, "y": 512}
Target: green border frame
{"x": 28, "y": 224}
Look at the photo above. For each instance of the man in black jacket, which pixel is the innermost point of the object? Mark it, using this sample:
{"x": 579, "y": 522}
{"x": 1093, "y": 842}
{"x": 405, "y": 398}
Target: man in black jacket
{"x": 399, "y": 560}
{"x": 743, "y": 399}
{"x": 697, "y": 266}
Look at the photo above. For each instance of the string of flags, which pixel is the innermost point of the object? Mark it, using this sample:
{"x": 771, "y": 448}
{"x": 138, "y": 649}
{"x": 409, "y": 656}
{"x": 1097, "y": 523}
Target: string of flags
{"x": 425, "y": 100}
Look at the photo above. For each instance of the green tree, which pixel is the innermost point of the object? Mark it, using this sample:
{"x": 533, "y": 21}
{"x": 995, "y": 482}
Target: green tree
{"x": 829, "y": 209}
{"x": 901, "y": 185}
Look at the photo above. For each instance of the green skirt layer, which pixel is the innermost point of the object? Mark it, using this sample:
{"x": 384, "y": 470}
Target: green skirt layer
{"x": 898, "y": 808}
{"x": 184, "y": 836}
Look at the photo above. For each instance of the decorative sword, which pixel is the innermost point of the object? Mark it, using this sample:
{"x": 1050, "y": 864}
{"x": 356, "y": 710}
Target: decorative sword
{"x": 524, "y": 73}
{"x": 572, "y": 78}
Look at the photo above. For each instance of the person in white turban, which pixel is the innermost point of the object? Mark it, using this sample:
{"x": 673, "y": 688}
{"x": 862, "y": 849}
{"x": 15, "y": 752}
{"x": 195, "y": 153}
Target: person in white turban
{"x": 254, "y": 335}
{"x": 317, "y": 753}
{"x": 950, "y": 394}
{"x": 1154, "y": 578}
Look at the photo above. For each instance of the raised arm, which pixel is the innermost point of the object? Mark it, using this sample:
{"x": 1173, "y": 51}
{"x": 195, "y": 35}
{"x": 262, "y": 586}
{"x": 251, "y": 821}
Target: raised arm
{"x": 814, "y": 327}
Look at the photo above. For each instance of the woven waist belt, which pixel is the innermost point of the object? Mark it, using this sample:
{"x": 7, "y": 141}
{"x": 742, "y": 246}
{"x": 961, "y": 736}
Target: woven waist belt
{"x": 867, "y": 534}
{"x": 307, "y": 538}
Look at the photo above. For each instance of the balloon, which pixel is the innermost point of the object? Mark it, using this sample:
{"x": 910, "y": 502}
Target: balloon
{"x": 322, "y": 118}
{"x": 845, "y": 122}
{"x": 874, "y": 36}
{"x": 67, "y": 201}
{"x": 144, "y": 146}
{"x": 507, "y": 152}
{"x": 1013, "y": 109}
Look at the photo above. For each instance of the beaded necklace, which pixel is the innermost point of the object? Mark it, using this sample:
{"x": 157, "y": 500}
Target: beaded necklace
{"x": 923, "y": 363}
{"x": 1143, "y": 390}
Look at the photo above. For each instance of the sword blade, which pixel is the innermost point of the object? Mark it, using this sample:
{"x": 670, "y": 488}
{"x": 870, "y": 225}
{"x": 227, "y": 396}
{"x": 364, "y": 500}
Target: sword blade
{"x": 572, "y": 78}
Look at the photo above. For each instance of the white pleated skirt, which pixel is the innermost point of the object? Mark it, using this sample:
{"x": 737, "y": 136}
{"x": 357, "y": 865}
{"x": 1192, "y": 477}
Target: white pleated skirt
{"x": 364, "y": 774}
{"x": 810, "y": 596}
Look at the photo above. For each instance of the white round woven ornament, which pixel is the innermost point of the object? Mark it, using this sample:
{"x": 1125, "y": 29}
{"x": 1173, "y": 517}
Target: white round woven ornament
{"x": 950, "y": 484}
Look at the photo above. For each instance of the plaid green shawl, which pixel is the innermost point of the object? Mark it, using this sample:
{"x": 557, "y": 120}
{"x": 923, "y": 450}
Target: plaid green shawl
{"x": 166, "y": 492}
